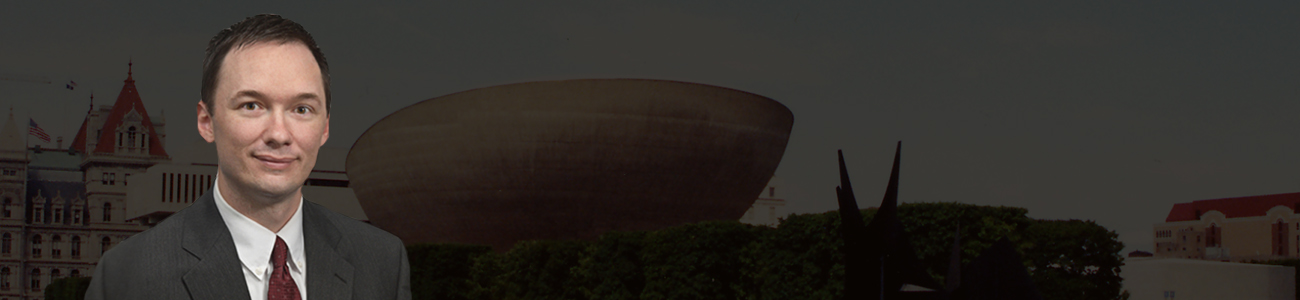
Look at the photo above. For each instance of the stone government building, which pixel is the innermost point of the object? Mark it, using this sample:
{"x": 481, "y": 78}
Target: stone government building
{"x": 64, "y": 207}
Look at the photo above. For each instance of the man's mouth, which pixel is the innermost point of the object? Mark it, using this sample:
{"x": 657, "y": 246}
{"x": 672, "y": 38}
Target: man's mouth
{"x": 274, "y": 162}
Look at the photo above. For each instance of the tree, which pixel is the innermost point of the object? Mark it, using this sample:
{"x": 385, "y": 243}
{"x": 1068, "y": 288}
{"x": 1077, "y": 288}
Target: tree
{"x": 612, "y": 268}
{"x": 443, "y": 271}
{"x": 800, "y": 259}
{"x": 1074, "y": 259}
{"x": 70, "y": 288}
{"x": 932, "y": 225}
{"x": 695, "y": 261}
{"x": 531, "y": 270}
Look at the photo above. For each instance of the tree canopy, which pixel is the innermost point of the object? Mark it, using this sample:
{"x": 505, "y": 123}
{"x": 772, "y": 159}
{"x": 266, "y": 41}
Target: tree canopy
{"x": 798, "y": 259}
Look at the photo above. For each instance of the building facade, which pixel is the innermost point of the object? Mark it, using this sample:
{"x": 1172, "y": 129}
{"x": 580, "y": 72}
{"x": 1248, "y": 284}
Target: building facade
{"x": 1179, "y": 278}
{"x": 764, "y": 211}
{"x": 63, "y": 208}
{"x": 1232, "y": 229}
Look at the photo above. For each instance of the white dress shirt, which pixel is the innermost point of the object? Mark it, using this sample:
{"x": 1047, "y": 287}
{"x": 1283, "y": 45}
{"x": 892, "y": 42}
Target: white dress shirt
{"x": 254, "y": 244}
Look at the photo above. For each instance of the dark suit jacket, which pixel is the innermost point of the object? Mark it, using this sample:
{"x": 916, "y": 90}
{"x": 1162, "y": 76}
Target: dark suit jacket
{"x": 191, "y": 255}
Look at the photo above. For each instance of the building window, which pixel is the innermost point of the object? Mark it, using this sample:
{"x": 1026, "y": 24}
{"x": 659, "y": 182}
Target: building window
{"x": 58, "y": 215}
{"x": 9, "y": 201}
{"x": 1280, "y": 232}
{"x": 109, "y": 178}
{"x": 1213, "y": 235}
{"x": 108, "y": 212}
{"x": 36, "y": 246}
{"x": 126, "y": 179}
{"x": 55, "y": 251}
{"x": 76, "y": 216}
{"x": 54, "y": 274}
{"x": 76, "y": 247}
{"x": 4, "y": 278}
{"x": 130, "y": 137}
{"x": 75, "y": 273}
{"x": 37, "y": 215}
{"x": 36, "y": 279}
{"x": 103, "y": 245}
{"x": 7, "y": 244}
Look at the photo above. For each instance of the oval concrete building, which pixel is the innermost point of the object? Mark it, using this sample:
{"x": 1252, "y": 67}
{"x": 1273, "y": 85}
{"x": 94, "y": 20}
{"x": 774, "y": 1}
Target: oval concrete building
{"x": 566, "y": 160}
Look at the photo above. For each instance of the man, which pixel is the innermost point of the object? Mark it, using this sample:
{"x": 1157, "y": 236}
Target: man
{"x": 265, "y": 104}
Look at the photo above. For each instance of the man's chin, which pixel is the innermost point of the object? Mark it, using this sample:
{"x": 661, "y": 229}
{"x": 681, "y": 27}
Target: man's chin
{"x": 275, "y": 190}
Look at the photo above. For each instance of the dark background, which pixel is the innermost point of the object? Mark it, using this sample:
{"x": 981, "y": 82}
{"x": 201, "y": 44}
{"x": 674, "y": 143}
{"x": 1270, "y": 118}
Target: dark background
{"x": 1110, "y": 111}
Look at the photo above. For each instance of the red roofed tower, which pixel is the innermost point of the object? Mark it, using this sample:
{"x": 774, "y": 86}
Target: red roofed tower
{"x": 118, "y": 141}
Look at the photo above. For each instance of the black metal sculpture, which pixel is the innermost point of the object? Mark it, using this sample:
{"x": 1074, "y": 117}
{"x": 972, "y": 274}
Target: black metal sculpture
{"x": 879, "y": 260}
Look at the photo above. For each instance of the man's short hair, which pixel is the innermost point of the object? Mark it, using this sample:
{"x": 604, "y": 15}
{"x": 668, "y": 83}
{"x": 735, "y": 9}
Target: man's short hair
{"x": 257, "y": 29}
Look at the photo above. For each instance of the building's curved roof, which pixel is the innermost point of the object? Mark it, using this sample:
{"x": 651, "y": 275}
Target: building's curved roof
{"x": 566, "y": 159}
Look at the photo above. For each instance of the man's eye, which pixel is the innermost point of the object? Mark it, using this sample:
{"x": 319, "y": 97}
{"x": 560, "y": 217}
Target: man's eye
{"x": 249, "y": 106}
{"x": 302, "y": 110}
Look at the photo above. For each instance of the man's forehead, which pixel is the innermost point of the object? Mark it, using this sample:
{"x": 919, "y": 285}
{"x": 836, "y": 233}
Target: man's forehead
{"x": 278, "y": 62}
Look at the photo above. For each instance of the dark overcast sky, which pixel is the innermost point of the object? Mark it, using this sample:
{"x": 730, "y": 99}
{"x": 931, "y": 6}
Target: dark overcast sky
{"x": 1103, "y": 110}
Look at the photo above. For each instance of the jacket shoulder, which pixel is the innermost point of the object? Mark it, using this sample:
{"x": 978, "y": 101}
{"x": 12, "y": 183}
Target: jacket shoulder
{"x": 353, "y": 229}
{"x": 166, "y": 234}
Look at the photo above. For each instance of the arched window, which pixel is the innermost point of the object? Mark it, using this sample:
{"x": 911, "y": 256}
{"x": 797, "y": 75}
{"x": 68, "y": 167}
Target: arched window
{"x": 76, "y": 247}
{"x": 54, "y": 274}
{"x": 1280, "y": 234}
{"x": 8, "y": 244}
{"x": 103, "y": 245}
{"x": 4, "y": 278}
{"x": 36, "y": 246}
{"x": 55, "y": 245}
{"x": 8, "y": 201}
{"x": 75, "y": 273}
{"x": 36, "y": 279}
{"x": 108, "y": 211}
{"x": 130, "y": 137}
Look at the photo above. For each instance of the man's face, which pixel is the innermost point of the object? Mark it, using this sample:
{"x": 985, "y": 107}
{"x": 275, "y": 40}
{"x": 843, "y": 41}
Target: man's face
{"x": 268, "y": 118}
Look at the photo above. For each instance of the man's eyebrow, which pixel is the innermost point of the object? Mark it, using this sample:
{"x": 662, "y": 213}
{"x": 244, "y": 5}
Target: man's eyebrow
{"x": 257, "y": 95}
{"x": 248, "y": 94}
{"x": 307, "y": 96}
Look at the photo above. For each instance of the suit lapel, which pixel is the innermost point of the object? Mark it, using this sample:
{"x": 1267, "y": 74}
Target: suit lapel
{"x": 329, "y": 276}
{"x": 218, "y": 274}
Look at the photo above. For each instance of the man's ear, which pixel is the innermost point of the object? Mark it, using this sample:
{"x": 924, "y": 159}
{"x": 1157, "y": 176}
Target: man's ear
{"x": 326, "y": 136}
{"x": 205, "y": 122}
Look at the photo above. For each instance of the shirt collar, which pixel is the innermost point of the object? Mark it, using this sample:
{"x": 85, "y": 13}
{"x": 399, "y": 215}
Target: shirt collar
{"x": 254, "y": 242}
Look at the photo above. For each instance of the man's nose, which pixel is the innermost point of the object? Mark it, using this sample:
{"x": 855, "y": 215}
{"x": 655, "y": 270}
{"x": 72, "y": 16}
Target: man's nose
{"x": 278, "y": 133}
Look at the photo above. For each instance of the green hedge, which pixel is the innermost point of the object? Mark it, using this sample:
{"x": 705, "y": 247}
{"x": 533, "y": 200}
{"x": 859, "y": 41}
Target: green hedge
{"x": 799, "y": 259}
{"x": 70, "y": 288}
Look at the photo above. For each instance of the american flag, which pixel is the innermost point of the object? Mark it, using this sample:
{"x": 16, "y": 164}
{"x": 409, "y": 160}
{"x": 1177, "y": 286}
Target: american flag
{"x": 36, "y": 130}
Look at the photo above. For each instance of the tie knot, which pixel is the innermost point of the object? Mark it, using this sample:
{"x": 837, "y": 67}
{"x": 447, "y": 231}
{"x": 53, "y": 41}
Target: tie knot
{"x": 279, "y": 253}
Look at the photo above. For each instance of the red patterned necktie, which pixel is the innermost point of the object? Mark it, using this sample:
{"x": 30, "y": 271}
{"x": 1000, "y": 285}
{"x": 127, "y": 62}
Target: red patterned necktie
{"x": 282, "y": 285}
